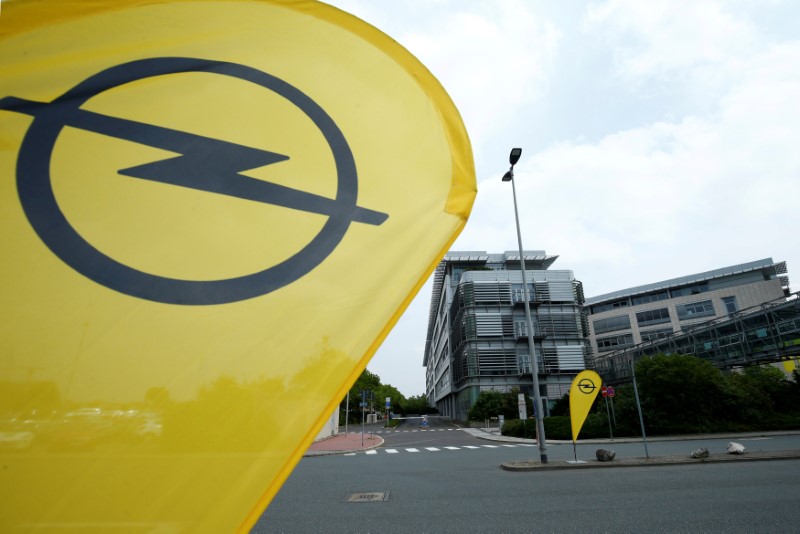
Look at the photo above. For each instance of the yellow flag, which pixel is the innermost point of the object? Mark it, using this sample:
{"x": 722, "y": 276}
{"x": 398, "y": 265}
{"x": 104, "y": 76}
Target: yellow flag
{"x": 213, "y": 212}
{"x": 582, "y": 393}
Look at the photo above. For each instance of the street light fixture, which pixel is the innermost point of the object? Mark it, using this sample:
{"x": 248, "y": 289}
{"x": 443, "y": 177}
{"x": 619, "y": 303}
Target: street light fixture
{"x": 513, "y": 158}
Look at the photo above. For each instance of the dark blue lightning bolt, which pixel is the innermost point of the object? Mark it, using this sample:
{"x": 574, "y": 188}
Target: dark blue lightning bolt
{"x": 204, "y": 163}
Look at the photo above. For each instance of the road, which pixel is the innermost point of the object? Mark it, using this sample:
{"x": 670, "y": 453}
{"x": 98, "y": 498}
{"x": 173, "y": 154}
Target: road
{"x": 463, "y": 489}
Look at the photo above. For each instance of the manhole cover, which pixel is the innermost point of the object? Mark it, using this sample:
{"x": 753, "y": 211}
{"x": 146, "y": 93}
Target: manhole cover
{"x": 375, "y": 496}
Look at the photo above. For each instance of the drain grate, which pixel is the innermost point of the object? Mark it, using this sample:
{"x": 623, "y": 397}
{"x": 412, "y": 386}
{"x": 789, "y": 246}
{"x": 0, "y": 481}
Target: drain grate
{"x": 375, "y": 496}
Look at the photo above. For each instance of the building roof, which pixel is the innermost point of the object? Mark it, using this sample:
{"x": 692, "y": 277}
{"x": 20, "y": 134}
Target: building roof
{"x": 690, "y": 279}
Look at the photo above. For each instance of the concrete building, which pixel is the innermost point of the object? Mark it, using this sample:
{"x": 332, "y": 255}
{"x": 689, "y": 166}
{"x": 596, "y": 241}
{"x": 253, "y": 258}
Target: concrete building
{"x": 650, "y": 312}
{"x": 477, "y": 332}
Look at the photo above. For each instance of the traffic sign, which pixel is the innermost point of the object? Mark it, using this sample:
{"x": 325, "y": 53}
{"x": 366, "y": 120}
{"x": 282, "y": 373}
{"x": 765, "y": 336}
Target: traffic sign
{"x": 610, "y": 391}
{"x": 604, "y": 391}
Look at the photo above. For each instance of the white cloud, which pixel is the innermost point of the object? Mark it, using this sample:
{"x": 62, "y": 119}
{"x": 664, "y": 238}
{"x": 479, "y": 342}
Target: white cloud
{"x": 661, "y": 37}
{"x": 705, "y": 188}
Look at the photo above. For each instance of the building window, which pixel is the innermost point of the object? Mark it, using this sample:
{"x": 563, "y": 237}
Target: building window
{"x": 730, "y": 305}
{"x": 649, "y": 317}
{"x": 599, "y": 308}
{"x": 620, "y": 322}
{"x": 689, "y": 290}
{"x": 606, "y": 344}
{"x": 694, "y": 310}
{"x": 653, "y": 297}
{"x": 651, "y": 335}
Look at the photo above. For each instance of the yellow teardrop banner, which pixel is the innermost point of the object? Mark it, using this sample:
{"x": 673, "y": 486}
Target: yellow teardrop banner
{"x": 582, "y": 393}
{"x": 211, "y": 214}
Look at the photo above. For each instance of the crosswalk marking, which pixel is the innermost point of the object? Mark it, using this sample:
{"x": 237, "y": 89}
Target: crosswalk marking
{"x": 390, "y": 431}
{"x": 439, "y": 449}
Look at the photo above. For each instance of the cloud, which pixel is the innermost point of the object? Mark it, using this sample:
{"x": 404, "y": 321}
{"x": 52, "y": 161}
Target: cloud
{"x": 715, "y": 190}
{"x": 492, "y": 58}
{"x": 662, "y": 37}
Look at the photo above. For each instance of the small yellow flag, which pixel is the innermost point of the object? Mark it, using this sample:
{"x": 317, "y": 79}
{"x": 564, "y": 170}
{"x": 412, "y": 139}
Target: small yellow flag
{"x": 582, "y": 393}
{"x": 211, "y": 214}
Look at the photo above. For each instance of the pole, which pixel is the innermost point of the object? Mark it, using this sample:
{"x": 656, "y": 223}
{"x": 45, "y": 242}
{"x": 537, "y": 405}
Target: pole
{"x": 537, "y": 397}
{"x": 639, "y": 407}
{"x": 613, "y": 415}
{"x": 346, "y": 412}
{"x": 608, "y": 416}
{"x": 363, "y": 409}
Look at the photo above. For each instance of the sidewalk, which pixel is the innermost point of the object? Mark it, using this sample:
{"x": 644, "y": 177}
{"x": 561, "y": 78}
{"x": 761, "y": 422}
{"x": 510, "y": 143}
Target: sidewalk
{"x": 344, "y": 443}
{"x": 493, "y": 434}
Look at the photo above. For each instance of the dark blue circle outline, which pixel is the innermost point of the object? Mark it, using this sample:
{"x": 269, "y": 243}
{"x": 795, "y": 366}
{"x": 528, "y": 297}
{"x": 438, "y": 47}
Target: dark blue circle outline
{"x": 41, "y": 207}
{"x": 581, "y": 386}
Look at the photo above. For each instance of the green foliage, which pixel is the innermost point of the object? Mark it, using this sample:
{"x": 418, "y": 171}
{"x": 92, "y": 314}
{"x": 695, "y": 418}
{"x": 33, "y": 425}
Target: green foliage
{"x": 489, "y": 404}
{"x": 418, "y": 404}
{"x": 557, "y": 427}
{"x": 493, "y": 403}
{"x": 377, "y": 393}
{"x": 683, "y": 394}
{"x": 561, "y": 407}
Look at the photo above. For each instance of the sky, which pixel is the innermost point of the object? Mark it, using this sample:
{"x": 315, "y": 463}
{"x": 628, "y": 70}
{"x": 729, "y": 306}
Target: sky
{"x": 659, "y": 139}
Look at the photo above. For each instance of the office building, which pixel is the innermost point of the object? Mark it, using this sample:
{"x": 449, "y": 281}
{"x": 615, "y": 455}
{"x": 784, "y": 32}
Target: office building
{"x": 478, "y": 335}
{"x": 629, "y": 317}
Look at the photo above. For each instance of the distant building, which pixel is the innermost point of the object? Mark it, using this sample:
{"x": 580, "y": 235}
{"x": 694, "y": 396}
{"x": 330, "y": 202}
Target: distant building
{"x": 477, "y": 330}
{"x": 651, "y": 312}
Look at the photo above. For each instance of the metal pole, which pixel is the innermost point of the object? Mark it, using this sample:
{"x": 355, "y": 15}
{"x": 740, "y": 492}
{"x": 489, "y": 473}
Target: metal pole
{"x": 608, "y": 416}
{"x": 638, "y": 407}
{"x": 537, "y": 398}
{"x": 363, "y": 409}
{"x": 346, "y": 412}
{"x": 613, "y": 415}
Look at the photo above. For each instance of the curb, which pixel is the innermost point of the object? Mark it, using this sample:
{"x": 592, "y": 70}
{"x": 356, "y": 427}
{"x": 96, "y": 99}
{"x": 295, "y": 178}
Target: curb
{"x": 494, "y": 435}
{"x": 531, "y": 465}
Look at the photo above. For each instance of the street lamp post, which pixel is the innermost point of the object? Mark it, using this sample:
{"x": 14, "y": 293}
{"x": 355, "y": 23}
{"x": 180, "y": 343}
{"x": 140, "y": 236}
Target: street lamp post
{"x": 537, "y": 398}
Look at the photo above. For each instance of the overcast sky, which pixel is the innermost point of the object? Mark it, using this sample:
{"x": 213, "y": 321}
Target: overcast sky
{"x": 660, "y": 138}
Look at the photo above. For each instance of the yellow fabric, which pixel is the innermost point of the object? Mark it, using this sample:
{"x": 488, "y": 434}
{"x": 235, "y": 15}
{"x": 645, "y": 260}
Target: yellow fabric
{"x": 128, "y": 408}
{"x": 582, "y": 393}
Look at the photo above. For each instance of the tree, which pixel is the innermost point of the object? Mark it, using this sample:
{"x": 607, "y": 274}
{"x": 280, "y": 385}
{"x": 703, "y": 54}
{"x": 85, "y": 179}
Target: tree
{"x": 494, "y": 403}
{"x": 682, "y": 393}
{"x": 376, "y": 396}
{"x": 489, "y": 404}
{"x": 418, "y": 404}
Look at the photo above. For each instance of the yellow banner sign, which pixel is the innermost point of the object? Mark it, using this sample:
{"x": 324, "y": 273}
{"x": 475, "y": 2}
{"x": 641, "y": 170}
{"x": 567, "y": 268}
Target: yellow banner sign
{"x": 212, "y": 215}
{"x": 582, "y": 393}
